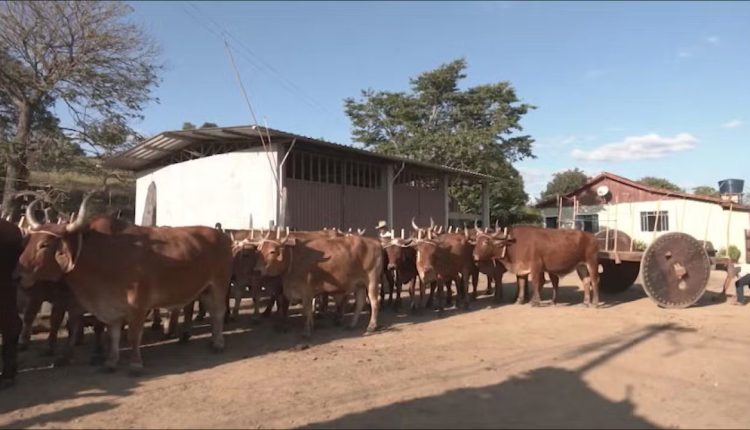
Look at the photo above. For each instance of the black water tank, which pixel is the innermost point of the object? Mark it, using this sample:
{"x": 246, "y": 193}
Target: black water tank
{"x": 731, "y": 186}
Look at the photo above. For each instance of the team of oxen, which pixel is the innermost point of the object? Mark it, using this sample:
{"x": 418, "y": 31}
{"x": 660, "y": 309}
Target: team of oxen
{"x": 120, "y": 273}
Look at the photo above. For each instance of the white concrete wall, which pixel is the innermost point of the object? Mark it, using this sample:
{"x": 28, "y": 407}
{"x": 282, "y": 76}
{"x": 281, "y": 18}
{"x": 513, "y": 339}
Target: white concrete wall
{"x": 702, "y": 220}
{"x": 225, "y": 188}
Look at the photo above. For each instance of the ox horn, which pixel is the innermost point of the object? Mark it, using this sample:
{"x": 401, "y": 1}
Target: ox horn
{"x": 81, "y": 219}
{"x": 450, "y": 229}
{"x": 47, "y": 217}
{"x": 466, "y": 231}
{"x": 33, "y": 223}
{"x": 266, "y": 235}
{"x": 278, "y": 233}
{"x": 414, "y": 224}
{"x": 440, "y": 229}
{"x": 497, "y": 224}
{"x": 231, "y": 236}
{"x": 20, "y": 221}
{"x": 361, "y": 231}
{"x": 432, "y": 223}
{"x": 402, "y": 233}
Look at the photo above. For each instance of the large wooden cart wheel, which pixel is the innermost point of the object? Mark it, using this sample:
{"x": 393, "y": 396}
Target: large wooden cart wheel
{"x": 607, "y": 240}
{"x": 616, "y": 278}
{"x": 675, "y": 270}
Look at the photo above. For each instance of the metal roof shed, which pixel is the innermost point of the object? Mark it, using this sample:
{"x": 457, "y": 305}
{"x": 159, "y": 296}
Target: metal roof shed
{"x": 249, "y": 174}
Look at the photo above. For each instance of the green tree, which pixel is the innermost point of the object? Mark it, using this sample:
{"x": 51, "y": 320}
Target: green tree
{"x": 475, "y": 129}
{"x": 659, "y": 183}
{"x": 209, "y": 125}
{"x": 188, "y": 126}
{"x": 86, "y": 56}
{"x": 706, "y": 190}
{"x": 564, "y": 182}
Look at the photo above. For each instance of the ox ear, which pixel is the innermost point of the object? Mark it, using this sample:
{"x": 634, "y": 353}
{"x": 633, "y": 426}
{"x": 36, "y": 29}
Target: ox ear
{"x": 64, "y": 256}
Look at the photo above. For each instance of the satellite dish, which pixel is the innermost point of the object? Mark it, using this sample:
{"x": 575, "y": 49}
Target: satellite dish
{"x": 602, "y": 191}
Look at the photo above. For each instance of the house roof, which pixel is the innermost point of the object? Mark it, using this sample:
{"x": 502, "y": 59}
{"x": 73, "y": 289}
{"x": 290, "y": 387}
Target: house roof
{"x": 666, "y": 193}
{"x": 150, "y": 151}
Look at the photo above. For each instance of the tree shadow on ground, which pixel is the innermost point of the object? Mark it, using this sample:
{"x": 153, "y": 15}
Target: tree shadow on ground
{"x": 547, "y": 397}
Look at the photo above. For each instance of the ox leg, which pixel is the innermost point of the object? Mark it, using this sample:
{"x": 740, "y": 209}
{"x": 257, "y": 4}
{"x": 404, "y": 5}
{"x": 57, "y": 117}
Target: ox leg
{"x": 475, "y": 283}
{"x": 498, "y": 280}
{"x": 237, "y": 291}
{"x": 156, "y": 319}
{"x": 372, "y": 292}
{"x": 75, "y": 324}
{"x": 201, "y": 311}
{"x": 10, "y": 327}
{"x": 555, "y": 280}
{"x": 537, "y": 281}
{"x": 55, "y": 321}
{"x": 187, "y": 322}
{"x": 98, "y": 354}
{"x": 29, "y": 315}
{"x": 594, "y": 281}
{"x": 463, "y": 285}
{"x": 135, "y": 335}
{"x": 174, "y": 319}
{"x": 114, "y": 330}
{"x": 359, "y": 305}
{"x": 217, "y": 309}
{"x": 521, "y": 282}
{"x": 413, "y": 295}
{"x": 424, "y": 301}
{"x": 441, "y": 295}
{"x": 449, "y": 293}
{"x": 307, "y": 312}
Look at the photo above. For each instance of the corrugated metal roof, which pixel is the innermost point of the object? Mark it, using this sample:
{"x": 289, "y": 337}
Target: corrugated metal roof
{"x": 150, "y": 151}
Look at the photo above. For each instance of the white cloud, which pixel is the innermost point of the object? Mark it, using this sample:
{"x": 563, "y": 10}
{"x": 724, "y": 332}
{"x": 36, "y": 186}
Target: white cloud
{"x": 648, "y": 146}
{"x": 714, "y": 40}
{"x": 733, "y": 123}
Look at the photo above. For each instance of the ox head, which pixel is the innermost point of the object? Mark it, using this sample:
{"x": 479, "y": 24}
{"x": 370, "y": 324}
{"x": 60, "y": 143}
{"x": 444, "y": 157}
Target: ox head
{"x": 427, "y": 252}
{"x": 51, "y": 250}
{"x": 274, "y": 255}
{"x": 491, "y": 245}
{"x": 244, "y": 260}
{"x": 396, "y": 249}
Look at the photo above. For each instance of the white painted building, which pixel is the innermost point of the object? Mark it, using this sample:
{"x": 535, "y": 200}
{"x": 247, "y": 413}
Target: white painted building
{"x": 644, "y": 213}
{"x": 246, "y": 175}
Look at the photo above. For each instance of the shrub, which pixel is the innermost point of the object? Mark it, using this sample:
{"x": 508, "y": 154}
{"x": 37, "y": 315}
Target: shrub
{"x": 734, "y": 253}
{"x": 639, "y": 245}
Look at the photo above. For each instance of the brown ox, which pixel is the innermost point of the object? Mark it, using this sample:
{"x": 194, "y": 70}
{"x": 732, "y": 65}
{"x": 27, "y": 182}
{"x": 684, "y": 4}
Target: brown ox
{"x": 401, "y": 266}
{"x": 531, "y": 251}
{"x": 120, "y": 271}
{"x": 442, "y": 260}
{"x": 11, "y": 245}
{"x": 338, "y": 265}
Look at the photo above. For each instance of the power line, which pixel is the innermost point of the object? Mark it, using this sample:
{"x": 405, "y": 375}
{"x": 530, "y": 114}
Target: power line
{"x": 251, "y": 57}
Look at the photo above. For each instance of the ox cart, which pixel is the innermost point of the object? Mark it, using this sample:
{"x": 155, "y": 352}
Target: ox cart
{"x": 674, "y": 269}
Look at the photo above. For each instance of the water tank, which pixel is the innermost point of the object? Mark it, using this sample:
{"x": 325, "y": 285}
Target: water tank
{"x": 731, "y": 186}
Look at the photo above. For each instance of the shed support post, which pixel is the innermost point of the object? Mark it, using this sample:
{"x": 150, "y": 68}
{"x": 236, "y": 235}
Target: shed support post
{"x": 485, "y": 204}
{"x": 389, "y": 195}
{"x": 446, "y": 199}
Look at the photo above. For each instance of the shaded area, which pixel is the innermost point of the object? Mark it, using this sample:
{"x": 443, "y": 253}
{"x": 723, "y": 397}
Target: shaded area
{"x": 545, "y": 397}
{"x": 61, "y": 416}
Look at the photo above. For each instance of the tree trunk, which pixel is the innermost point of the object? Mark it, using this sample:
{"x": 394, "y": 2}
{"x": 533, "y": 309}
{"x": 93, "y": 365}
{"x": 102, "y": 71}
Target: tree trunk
{"x": 17, "y": 173}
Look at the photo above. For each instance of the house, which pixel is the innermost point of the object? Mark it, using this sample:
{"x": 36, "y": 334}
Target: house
{"x": 255, "y": 176}
{"x": 644, "y": 213}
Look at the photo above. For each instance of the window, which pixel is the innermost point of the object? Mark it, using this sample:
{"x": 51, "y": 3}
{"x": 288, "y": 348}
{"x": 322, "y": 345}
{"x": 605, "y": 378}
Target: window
{"x": 331, "y": 170}
{"x": 588, "y": 223}
{"x": 655, "y": 221}
{"x": 550, "y": 222}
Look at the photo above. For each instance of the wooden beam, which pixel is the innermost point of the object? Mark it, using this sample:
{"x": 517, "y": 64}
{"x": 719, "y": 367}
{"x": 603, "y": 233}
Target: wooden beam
{"x": 446, "y": 199}
{"x": 485, "y": 204}
{"x": 389, "y": 194}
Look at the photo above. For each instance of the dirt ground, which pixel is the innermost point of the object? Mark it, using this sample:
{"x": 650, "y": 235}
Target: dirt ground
{"x": 627, "y": 364}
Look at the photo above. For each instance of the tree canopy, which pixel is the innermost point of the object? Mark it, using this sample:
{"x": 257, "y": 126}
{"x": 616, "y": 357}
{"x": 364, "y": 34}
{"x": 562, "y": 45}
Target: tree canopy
{"x": 660, "y": 183}
{"x": 706, "y": 190}
{"x": 476, "y": 128}
{"x": 564, "y": 182}
{"x": 86, "y": 56}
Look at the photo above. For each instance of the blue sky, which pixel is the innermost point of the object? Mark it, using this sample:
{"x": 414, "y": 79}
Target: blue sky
{"x": 634, "y": 88}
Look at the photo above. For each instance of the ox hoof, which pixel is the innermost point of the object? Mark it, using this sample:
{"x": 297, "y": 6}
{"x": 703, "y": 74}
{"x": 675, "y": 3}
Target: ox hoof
{"x": 184, "y": 338}
{"x": 62, "y": 362}
{"x": 135, "y": 370}
{"x": 535, "y": 303}
{"x": 6, "y": 383}
{"x": 372, "y": 329}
